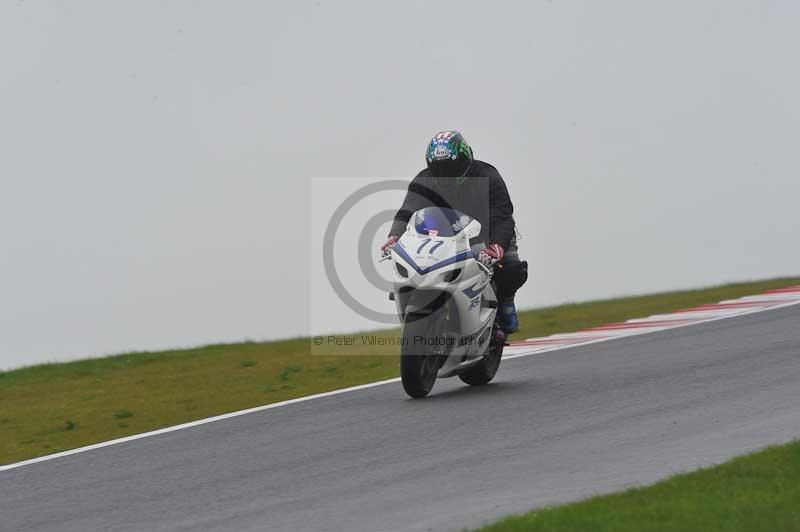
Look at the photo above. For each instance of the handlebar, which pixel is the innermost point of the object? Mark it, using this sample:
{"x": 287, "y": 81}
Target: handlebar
{"x": 488, "y": 271}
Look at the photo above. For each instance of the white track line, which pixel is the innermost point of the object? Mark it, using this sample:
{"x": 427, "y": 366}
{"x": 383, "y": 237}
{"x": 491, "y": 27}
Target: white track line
{"x": 792, "y": 299}
{"x": 194, "y": 424}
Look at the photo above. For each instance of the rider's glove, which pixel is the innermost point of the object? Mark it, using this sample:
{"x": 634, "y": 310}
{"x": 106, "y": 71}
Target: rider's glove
{"x": 386, "y": 249}
{"x": 491, "y": 255}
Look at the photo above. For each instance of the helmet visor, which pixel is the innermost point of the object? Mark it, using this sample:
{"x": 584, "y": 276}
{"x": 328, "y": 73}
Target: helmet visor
{"x": 449, "y": 167}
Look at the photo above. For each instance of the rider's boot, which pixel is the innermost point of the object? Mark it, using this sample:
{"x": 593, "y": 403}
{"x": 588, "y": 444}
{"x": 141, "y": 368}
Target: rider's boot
{"x": 508, "y": 316}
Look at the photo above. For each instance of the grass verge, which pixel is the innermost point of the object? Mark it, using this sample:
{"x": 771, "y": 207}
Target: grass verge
{"x": 54, "y": 407}
{"x": 753, "y": 493}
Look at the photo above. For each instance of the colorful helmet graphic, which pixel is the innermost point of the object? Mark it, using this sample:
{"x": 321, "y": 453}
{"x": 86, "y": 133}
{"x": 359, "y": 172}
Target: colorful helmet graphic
{"x": 448, "y": 155}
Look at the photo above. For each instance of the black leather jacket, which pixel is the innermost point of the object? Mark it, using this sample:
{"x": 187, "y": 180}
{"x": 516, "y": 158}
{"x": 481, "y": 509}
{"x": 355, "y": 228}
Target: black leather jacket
{"x": 483, "y": 195}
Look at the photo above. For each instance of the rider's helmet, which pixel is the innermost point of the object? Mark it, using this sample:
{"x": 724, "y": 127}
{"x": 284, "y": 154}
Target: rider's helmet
{"x": 449, "y": 156}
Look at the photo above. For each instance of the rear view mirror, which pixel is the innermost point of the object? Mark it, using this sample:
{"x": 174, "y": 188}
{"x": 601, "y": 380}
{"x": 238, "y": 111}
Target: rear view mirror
{"x": 473, "y": 229}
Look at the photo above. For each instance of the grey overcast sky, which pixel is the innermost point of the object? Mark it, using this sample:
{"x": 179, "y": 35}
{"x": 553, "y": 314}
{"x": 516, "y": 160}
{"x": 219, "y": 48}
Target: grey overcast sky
{"x": 157, "y": 156}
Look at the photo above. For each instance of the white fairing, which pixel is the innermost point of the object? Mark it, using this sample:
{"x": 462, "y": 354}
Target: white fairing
{"x": 429, "y": 261}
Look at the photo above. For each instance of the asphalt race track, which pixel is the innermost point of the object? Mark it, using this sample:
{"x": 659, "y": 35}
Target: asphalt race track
{"x": 555, "y": 427}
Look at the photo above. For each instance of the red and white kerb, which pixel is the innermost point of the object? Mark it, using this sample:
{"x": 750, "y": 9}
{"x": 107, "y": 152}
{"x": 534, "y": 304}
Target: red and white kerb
{"x": 660, "y": 322}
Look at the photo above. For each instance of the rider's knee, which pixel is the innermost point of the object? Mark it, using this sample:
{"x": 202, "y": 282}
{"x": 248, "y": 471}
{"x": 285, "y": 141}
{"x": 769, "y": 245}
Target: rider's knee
{"x": 512, "y": 276}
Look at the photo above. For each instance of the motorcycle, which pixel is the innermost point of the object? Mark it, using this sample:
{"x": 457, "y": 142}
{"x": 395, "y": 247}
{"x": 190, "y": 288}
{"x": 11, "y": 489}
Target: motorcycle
{"x": 446, "y": 302}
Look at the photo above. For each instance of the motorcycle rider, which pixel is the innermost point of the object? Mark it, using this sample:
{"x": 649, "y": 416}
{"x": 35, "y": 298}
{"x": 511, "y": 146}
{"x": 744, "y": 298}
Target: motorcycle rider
{"x": 454, "y": 179}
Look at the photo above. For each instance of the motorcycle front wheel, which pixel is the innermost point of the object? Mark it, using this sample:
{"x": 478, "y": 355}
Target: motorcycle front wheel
{"x": 419, "y": 361}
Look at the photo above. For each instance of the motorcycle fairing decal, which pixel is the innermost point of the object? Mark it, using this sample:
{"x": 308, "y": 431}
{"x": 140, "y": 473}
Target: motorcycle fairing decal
{"x": 424, "y": 243}
{"x": 464, "y": 255}
{"x": 474, "y": 291}
{"x": 434, "y": 247}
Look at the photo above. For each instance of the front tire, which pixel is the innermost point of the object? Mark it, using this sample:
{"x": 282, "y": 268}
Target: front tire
{"x": 419, "y": 364}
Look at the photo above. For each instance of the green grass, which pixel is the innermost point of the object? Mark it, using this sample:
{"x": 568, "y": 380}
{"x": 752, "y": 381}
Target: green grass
{"x": 55, "y": 407}
{"x": 754, "y": 493}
